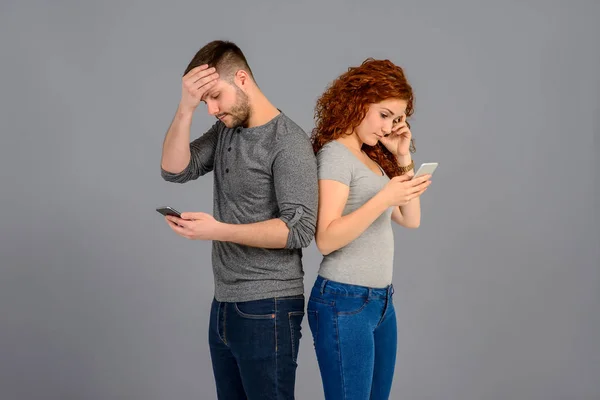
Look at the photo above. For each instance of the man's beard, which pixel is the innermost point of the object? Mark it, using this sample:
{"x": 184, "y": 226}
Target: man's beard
{"x": 240, "y": 112}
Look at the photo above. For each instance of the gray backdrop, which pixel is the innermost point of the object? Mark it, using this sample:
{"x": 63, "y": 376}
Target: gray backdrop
{"x": 497, "y": 293}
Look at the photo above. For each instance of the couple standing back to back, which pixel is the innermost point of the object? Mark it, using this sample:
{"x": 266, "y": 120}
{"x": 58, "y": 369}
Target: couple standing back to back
{"x": 275, "y": 189}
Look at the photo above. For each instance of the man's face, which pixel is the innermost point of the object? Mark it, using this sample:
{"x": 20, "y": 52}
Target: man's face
{"x": 228, "y": 103}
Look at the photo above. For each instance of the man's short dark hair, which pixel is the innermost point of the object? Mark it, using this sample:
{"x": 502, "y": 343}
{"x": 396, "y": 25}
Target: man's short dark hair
{"x": 225, "y": 56}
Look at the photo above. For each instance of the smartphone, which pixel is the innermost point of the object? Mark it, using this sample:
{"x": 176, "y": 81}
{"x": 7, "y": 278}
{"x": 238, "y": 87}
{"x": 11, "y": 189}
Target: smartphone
{"x": 166, "y": 210}
{"x": 425, "y": 169}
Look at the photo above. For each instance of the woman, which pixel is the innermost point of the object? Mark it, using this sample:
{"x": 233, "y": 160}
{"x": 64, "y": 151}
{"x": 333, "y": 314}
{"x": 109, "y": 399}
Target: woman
{"x": 363, "y": 145}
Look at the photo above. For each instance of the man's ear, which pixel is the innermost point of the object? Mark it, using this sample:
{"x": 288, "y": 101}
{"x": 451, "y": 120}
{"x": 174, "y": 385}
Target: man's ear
{"x": 242, "y": 77}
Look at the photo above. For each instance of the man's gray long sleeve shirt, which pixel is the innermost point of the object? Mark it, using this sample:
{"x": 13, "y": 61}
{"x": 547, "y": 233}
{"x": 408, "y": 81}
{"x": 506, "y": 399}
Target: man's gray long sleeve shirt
{"x": 260, "y": 173}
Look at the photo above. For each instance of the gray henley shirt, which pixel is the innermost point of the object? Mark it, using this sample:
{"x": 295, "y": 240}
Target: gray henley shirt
{"x": 260, "y": 173}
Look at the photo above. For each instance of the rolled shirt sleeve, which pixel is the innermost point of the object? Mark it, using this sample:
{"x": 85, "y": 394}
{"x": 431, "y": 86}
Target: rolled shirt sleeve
{"x": 296, "y": 188}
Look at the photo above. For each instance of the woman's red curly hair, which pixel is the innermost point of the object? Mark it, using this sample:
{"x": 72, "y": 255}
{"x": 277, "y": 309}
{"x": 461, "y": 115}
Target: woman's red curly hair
{"x": 344, "y": 104}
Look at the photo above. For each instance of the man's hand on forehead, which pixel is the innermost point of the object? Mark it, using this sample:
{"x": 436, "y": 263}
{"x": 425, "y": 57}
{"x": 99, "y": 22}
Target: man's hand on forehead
{"x": 195, "y": 84}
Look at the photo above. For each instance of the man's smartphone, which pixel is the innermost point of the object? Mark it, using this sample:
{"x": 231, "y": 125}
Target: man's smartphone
{"x": 426, "y": 169}
{"x": 166, "y": 210}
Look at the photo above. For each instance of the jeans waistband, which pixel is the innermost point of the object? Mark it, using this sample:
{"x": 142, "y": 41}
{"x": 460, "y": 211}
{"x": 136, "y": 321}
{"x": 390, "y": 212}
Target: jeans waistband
{"x": 328, "y": 286}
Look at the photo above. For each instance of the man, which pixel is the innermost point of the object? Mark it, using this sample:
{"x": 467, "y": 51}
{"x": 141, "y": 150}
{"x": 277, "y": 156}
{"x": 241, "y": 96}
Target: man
{"x": 265, "y": 206}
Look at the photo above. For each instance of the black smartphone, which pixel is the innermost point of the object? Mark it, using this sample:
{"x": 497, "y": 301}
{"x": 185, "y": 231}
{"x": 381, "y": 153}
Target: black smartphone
{"x": 166, "y": 210}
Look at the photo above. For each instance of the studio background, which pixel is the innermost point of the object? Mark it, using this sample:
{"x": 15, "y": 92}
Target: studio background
{"x": 498, "y": 291}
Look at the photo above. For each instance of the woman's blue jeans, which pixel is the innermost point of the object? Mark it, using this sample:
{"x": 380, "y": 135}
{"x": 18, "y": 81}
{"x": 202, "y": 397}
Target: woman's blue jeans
{"x": 354, "y": 333}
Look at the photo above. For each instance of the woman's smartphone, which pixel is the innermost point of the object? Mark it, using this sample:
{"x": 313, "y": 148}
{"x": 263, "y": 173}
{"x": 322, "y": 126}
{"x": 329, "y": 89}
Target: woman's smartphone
{"x": 426, "y": 169}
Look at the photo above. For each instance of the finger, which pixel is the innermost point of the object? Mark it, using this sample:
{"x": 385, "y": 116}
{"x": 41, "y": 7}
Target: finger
{"x": 420, "y": 186}
{"x": 424, "y": 187}
{"x": 396, "y": 128}
{"x": 201, "y": 83}
{"x": 204, "y": 79}
{"x": 207, "y": 85}
{"x": 196, "y": 74}
{"x": 421, "y": 179}
{"x": 404, "y": 131}
{"x": 176, "y": 228}
{"x": 200, "y": 73}
{"x": 402, "y": 121}
{"x": 195, "y": 70}
{"x": 204, "y": 86}
{"x": 413, "y": 196}
{"x": 200, "y": 79}
{"x": 203, "y": 90}
{"x": 192, "y": 215}
{"x": 411, "y": 181}
{"x": 177, "y": 221}
{"x": 171, "y": 223}
{"x": 186, "y": 233}
{"x": 417, "y": 195}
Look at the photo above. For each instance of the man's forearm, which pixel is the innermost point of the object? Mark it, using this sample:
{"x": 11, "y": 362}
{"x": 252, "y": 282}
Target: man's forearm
{"x": 176, "y": 146}
{"x": 270, "y": 234}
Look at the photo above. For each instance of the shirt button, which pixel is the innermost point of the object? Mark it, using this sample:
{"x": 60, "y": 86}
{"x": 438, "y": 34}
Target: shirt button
{"x": 229, "y": 149}
{"x": 227, "y": 170}
{"x": 238, "y": 130}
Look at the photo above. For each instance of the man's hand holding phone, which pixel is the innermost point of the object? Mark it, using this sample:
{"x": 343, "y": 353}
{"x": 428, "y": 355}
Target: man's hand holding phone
{"x": 192, "y": 225}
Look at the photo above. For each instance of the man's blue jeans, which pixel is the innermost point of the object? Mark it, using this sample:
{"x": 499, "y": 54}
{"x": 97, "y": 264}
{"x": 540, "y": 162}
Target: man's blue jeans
{"x": 254, "y": 347}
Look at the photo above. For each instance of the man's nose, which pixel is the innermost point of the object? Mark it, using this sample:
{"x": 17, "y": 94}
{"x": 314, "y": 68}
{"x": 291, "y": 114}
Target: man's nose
{"x": 212, "y": 108}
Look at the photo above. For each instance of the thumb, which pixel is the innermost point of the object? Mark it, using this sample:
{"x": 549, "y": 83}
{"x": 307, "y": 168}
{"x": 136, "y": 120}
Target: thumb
{"x": 192, "y": 215}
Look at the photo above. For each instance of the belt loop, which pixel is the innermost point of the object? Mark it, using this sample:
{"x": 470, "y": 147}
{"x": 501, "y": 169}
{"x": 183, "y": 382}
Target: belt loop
{"x": 323, "y": 285}
{"x": 391, "y": 289}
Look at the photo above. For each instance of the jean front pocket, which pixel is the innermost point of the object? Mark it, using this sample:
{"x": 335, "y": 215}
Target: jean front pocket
{"x": 258, "y": 309}
{"x": 350, "y": 305}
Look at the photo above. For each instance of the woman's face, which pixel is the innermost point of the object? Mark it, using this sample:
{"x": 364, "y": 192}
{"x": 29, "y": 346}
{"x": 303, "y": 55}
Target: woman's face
{"x": 380, "y": 119}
